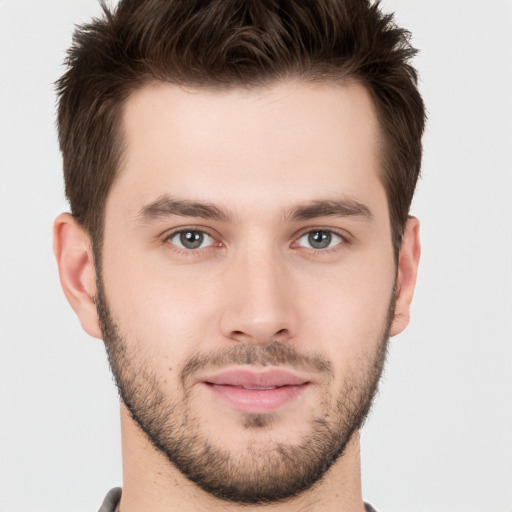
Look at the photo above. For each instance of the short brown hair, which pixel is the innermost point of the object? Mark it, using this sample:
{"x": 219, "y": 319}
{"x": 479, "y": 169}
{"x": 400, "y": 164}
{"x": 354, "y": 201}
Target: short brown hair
{"x": 225, "y": 44}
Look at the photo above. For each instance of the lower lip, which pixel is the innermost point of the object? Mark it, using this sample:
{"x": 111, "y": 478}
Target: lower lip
{"x": 257, "y": 400}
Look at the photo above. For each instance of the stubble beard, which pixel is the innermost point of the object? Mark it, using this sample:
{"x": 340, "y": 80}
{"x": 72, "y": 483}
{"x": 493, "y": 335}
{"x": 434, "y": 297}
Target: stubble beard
{"x": 261, "y": 474}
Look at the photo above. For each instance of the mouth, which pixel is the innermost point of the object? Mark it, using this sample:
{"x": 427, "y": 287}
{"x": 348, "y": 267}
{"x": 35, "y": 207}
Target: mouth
{"x": 256, "y": 392}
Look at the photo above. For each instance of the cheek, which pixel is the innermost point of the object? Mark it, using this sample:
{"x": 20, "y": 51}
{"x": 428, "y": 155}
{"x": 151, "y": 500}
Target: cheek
{"x": 347, "y": 311}
{"x": 168, "y": 309}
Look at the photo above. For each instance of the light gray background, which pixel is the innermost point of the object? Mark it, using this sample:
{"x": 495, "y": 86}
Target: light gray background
{"x": 439, "y": 438}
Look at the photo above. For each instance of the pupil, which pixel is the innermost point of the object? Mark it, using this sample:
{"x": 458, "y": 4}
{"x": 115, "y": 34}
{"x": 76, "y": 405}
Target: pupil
{"x": 320, "y": 239}
{"x": 191, "y": 239}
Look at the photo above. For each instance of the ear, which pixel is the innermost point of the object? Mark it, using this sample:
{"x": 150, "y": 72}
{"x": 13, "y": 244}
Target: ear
{"x": 408, "y": 262}
{"x": 73, "y": 252}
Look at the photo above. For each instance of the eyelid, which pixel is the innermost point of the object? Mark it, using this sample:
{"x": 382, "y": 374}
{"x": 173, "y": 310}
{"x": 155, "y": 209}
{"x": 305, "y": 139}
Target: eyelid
{"x": 168, "y": 235}
{"x": 345, "y": 237}
{"x": 189, "y": 227}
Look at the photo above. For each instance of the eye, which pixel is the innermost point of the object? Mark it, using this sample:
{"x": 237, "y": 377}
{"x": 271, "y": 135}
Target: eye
{"x": 320, "y": 239}
{"x": 191, "y": 239}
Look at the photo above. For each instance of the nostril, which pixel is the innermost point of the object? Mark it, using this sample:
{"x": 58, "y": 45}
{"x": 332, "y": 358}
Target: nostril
{"x": 281, "y": 335}
{"x": 241, "y": 336}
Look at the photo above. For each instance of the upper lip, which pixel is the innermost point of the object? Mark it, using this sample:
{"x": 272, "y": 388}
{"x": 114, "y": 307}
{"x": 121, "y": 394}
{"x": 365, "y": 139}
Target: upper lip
{"x": 242, "y": 377}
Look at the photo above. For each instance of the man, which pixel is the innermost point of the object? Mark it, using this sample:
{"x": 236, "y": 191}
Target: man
{"x": 240, "y": 175}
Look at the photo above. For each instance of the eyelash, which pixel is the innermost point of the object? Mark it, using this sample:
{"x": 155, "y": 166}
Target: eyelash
{"x": 193, "y": 229}
{"x": 344, "y": 240}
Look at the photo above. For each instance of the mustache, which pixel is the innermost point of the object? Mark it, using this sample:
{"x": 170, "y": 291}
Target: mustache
{"x": 273, "y": 354}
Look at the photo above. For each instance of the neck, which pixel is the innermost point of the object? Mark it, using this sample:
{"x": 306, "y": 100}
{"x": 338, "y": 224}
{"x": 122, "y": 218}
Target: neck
{"x": 151, "y": 482}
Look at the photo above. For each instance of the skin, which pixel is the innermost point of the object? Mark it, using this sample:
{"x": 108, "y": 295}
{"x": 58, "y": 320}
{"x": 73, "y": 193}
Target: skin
{"x": 258, "y": 155}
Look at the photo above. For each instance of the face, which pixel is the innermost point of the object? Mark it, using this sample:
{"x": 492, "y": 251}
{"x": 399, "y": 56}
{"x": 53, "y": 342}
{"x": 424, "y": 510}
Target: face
{"x": 247, "y": 280}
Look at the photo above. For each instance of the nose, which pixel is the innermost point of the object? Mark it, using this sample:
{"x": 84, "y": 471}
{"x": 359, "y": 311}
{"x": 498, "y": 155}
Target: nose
{"x": 259, "y": 305}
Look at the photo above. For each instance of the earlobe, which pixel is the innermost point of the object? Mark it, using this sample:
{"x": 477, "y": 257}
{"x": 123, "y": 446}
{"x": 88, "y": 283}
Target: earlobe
{"x": 73, "y": 252}
{"x": 408, "y": 262}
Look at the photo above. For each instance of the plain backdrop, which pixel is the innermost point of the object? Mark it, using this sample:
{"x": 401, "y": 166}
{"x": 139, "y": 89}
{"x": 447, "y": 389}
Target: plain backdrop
{"x": 440, "y": 435}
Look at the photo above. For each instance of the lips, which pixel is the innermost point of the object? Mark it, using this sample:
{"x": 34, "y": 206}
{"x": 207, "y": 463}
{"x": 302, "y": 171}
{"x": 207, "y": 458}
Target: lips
{"x": 256, "y": 392}
{"x": 273, "y": 378}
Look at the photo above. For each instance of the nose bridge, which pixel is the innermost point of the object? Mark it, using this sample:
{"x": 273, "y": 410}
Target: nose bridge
{"x": 261, "y": 306}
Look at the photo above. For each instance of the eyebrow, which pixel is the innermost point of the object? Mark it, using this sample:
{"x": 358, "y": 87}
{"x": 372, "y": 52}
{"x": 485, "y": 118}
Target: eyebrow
{"x": 167, "y": 206}
{"x": 330, "y": 208}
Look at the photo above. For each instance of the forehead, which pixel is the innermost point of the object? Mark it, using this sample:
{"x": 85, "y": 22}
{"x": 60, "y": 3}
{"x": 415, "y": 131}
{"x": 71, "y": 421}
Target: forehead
{"x": 265, "y": 146}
